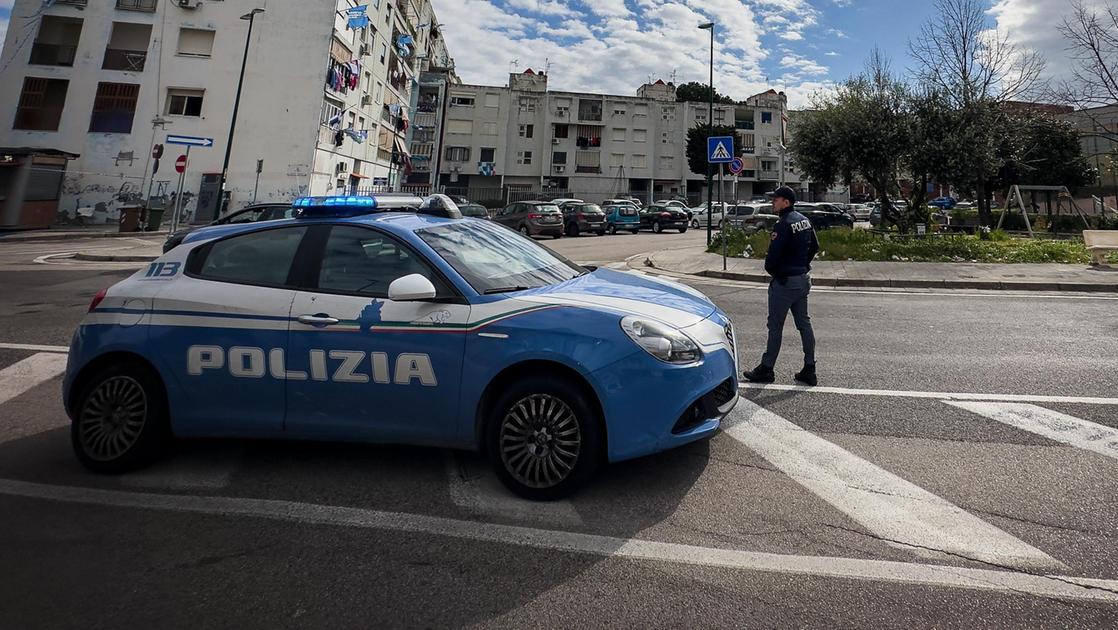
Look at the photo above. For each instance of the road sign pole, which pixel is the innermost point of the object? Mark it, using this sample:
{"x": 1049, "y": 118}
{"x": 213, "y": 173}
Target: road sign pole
{"x": 177, "y": 214}
{"x": 723, "y": 227}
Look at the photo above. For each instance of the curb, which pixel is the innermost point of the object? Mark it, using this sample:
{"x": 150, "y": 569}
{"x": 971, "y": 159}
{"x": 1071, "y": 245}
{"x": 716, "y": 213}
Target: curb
{"x": 1007, "y": 285}
{"x": 67, "y": 236}
{"x": 114, "y": 257}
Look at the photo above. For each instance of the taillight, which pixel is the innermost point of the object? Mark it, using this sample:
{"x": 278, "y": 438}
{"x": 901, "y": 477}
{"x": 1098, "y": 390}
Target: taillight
{"x": 535, "y": 216}
{"x": 97, "y": 299}
{"x": 666, "y": 215}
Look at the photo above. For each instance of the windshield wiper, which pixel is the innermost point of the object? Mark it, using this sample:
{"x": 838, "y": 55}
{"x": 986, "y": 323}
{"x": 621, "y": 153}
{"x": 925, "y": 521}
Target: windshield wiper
{"x": 504, "y": 290}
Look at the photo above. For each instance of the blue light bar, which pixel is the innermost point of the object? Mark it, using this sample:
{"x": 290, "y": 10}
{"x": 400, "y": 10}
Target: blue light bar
{"x": 341, "y": 205}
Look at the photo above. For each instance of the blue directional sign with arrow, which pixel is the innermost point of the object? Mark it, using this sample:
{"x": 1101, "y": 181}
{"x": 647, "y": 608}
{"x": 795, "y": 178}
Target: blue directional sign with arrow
{"x": 190, "y": 141}
{"x": 720, "y": 149}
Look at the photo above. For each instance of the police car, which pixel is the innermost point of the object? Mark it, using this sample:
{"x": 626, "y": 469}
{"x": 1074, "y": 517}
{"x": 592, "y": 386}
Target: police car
{"x": 357, "y": 322}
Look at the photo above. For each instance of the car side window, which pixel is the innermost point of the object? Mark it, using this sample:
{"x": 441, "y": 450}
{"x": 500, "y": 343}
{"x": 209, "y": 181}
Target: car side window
{"x": 258, "y": 258}
{"x": 245, "y": 217}
{"x": 361, "y": 261}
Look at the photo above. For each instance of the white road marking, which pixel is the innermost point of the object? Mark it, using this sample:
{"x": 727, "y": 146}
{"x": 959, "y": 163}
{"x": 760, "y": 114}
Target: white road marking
{"x": 1064, "y": 587}
{"x": 897, "y": 510}
{"x": 21, "y": 376}
{"x": 900, "y": 393}
{"x": 475, "y": 489}
{"x": 48, "y": 259}
{"x": 1053, "y": 425}
{"x": 33, "y": 347}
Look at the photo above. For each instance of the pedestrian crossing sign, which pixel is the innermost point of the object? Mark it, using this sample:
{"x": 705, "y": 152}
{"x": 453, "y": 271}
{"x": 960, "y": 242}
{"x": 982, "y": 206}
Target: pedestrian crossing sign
{"x": 720, "y": 149}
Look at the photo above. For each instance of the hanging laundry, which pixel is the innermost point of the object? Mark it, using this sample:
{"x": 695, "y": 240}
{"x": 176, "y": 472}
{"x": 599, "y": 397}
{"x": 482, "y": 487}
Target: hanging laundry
{"x": 339, "y": 138}
{"x": 335, "y": 122}
{"x": 357, "y": 136}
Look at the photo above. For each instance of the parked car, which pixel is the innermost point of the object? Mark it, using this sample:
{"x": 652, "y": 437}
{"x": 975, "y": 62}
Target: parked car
{"x": 699, "y": 215}
{"x": 676, "y": 203}
{"x": 944, "y": 203}
{"x": 659, "y": 218}
{"x": 475, "y": 210}
{"x": 565, "y": 200}
{"x": 622, "y": 216}
{"x": 824, "y": 215}
{"x": 861, "y": 211}
{"x": 620, "y": 201}
{"x": 249, "y": 214}
{"x": 532, "y": 218}
{"x": 583, "y": 217}
{"x": 752, "y": 217}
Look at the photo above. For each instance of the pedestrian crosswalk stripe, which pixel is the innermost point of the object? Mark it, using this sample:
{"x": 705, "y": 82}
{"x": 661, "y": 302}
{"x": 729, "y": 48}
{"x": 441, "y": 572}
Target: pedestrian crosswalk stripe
{"x": 33, "y": 347}
{"x": 21, "y": 376}
{"x": 1053, "y": 425}
{"x": 902, "y": 393}
{"x": 895, "y": 510}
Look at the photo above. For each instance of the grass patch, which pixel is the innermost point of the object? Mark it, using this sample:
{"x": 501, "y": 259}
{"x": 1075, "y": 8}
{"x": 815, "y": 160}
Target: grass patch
{"x": 864, "y": 245}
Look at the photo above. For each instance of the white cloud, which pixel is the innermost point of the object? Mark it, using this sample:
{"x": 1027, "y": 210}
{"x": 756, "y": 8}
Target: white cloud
{"x": 545, "y": 7}
{"x": 1033, "y": 25}
{"x": 791, "y": 36}
{"x": 831, "y": 53}
{"x": 607, "y": 7}
{"x": 837, "y": 33}
{"x": 5, "y": 20}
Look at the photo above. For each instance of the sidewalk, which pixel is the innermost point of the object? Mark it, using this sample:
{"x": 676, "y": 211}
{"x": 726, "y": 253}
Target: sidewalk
{"x": 72, "y": 232}
{"x": 1021, "y": 277}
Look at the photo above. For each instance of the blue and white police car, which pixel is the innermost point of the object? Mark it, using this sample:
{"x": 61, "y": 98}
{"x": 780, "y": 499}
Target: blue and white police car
{"x": 358, "y": 322}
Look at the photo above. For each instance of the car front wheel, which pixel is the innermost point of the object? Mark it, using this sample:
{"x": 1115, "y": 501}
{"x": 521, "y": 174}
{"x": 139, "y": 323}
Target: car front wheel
{"x": 657, "y": 228}
{"x": 543, "y": 438}
{"x": 120, "y": 419}
{"x": 612, "y": 228}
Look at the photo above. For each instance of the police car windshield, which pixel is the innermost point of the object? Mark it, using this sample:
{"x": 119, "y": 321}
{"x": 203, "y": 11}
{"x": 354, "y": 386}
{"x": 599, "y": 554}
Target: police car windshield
{"x": 493, "y": 258}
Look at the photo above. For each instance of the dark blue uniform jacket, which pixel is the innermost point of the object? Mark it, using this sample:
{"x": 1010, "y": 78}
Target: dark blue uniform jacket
{"x": 793, "y": 246}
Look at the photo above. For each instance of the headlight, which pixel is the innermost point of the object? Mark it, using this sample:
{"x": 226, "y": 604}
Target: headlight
{"x": 661, "y": 341}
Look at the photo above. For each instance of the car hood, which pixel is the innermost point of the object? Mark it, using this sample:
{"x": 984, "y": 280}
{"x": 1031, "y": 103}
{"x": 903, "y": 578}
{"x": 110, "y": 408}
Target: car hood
{"x": 628, "y": 294}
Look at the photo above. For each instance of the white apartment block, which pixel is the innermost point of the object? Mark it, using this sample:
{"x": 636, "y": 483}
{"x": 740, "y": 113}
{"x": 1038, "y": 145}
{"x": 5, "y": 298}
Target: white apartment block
{"x": 523, "y": 138}
{"x": 92, "y": 85}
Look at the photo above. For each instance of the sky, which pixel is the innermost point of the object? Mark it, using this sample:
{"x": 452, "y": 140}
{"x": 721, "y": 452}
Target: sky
{"x": 799, "y": 46}
{"x": 5, "y": 17}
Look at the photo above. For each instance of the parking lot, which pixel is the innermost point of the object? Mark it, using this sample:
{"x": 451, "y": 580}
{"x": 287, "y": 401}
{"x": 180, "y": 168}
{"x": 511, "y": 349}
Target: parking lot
{"x": 952, "y": 469}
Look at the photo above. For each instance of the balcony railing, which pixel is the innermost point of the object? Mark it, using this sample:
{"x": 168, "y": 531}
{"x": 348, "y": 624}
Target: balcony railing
{"x": 137, "y": 5}
{"x": 769, "y": 175}
{"x": 76, "y": 3}
{"x": 126, "y": 60}
{"x": 424, "y": 119}
{"x": 53, "y": 54}
{"x": 744, "y": 124}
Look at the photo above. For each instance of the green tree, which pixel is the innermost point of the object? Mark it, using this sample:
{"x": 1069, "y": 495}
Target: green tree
{"x": 1049, "y": 154}
{"x": 862, "y": 130}
{"x": 696, "y": 92}
{"x": 697, "y": 145}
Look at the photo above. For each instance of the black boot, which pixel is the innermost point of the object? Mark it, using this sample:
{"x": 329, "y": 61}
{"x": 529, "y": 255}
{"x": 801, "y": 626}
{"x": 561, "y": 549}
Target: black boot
{"x": 760, "y": 374}
{"x": 807, "y": 375}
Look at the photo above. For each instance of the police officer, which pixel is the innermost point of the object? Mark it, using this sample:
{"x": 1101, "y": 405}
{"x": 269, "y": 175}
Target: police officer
{"x": 793, "y": 247}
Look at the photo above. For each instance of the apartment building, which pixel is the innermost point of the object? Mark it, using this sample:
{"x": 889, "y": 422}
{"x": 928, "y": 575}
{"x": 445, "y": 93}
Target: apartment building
{"x": 525, "y": 138}
{"x": 95, "y": 85}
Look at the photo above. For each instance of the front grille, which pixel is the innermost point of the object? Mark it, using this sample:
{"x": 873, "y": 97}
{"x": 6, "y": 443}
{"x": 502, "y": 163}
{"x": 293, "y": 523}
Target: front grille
{"x": 725, "y": 392}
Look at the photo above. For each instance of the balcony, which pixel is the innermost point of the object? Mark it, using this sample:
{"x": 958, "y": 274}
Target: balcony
{"x": 589, "y": 110}
{"x": 744, "y": 124}
{"x": 424, "y": 119}
{"x": 125, "y": 60}
{"x": 53, "y": 55}
{"x": 769, "y": 175}
{"x": 148, "y": 6}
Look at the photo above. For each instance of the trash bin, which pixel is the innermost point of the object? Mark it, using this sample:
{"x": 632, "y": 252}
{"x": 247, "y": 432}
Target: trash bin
{"x": 155, "y": 217}
{"x": 130, "y": 218}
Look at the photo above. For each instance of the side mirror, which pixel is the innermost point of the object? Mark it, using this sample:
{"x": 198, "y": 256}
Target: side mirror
{"x": 411, "y": 288}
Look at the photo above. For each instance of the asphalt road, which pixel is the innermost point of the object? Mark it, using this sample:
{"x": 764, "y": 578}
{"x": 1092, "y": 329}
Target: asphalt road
{"x": 961, "y": 447}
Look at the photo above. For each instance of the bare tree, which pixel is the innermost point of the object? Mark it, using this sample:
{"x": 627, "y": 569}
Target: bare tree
{"x": 960, "y": 56}
{"x": 1093, "y": 45}
{"x": 978, "y": 69}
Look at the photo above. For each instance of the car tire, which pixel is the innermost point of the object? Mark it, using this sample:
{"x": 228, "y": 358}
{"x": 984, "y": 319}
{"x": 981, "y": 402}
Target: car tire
{"x": 524, "y": 418}
{"x": 524, "y": 231}
{"x": 635, "y": 231}
{"x": 601, "y": 232}
{"x": 656, "y": 227}
{"x": 612, "y": 229}
{"x": 120, "y": 419}
{"x": 683, "y": 229}
{"x": 695, "y": 223}
{"x": 556, "y": 237}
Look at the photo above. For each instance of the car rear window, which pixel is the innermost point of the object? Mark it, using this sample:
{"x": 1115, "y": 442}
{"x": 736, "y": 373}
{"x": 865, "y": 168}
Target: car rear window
{"x": 546, "y": 208}
{"x": 627, "y": 211}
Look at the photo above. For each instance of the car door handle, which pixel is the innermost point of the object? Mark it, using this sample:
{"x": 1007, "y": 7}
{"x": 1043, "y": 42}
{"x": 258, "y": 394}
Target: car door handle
{"x": 317, "y": 320}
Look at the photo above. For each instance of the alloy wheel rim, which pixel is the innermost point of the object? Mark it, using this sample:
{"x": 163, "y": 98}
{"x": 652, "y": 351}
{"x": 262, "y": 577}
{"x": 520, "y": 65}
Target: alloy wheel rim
{"x": 540, "y": 441}
{"x": 112, "y": 418}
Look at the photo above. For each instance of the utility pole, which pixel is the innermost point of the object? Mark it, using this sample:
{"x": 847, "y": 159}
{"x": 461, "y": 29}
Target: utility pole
{"x": 710, "y": 134}
{"x": 250, "y": 16}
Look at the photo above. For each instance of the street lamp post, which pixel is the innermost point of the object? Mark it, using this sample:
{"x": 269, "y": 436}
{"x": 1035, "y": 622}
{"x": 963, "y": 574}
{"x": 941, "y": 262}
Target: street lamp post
{"x": 709, "y": 26}
{"x": 250, "y": 16}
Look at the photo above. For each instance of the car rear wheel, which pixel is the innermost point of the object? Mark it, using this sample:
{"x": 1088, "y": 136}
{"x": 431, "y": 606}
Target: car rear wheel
{"x": 524, "y": 231}
{"x": 656, "y": 227}
{"x": 683, "y": 229}
{"x": 635, "y": 231}
{"x": 120, "y": 419}
{"x": 612, "y": 228}
{"x": 601, "y": 232}
{"x": 544, "y": 438}
{"x": 695, "y": 223}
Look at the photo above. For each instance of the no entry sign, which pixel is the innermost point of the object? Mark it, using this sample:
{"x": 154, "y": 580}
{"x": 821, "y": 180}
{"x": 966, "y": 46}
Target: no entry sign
{"x": 180, "y": 164}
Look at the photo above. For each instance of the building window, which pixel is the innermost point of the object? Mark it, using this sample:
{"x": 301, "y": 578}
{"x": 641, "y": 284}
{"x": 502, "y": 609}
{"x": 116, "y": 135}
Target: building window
{"x": 619, "y": 111}
{"x": 523, "y": 157}
{"x": 461, "y": 101}
{"x": 617, "y": 159}
{"x": 588, "y": 162}
{"x": 528, "y": 104}
{"x": 185, "y": 102}
{"x": 114, "y": 107}
{"x": 562, "y": 131}
{"x": 383, "y": 52}
{"x": 492, "y": 100}
{"x": 641, "y": 110}
{"x": 460, "y": 126}
{"x": 489, "y": 129}
{"x": 56, "y": 43}
{"x": 640, "y": 135}
{"x": 40, "y": 104}
{"x": 488, "y": 154}
{"x": 768, "y": 165}
{"x": 559, "y": 157}
{"x": 766, "y": 118}
{"x": 640, "y": 161}
{"x": 618, "y": 135}
{"x": 458, "y": 154}
{"x": 526, "y": 131}
{"x": 127, "y": 48}
{"x": 195, "y": 42}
